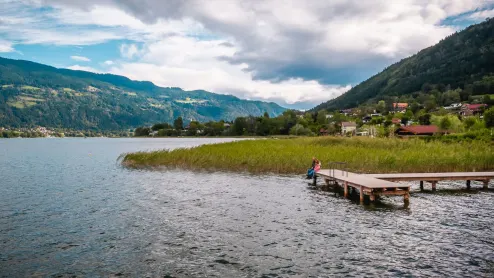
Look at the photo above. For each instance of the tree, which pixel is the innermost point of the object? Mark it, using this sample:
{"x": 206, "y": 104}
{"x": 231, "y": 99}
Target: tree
{"x": 321, "y": 117}
{"x": 489, "y": 117}
{"x": 299, "y": 129}
{"x": 464, "y": 95}
{"x": 487, "y": 100}
{"x": 239, "y": 126}
{"x": 161, "y": 126}
{"x": 142, "y": 131}
{"x": 178, "y": 124}
{"x": 430, "y": 105}
{"x": 415, "y": 107}
{"x": 405, "y": 120}
{"x": 470, "y": 122}
{"x": 448, "y": 123}
{"x": 425, "y": 119}
{"x": 266, "y": 115}
{"x": 426, "y": 87}
{"x": 381, "y": 106}
{"x": 194, "y": 126}
{"x": 445, "y": 123}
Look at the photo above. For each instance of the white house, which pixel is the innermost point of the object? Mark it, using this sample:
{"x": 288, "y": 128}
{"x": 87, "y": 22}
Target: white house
{"x": 348, "y": 127}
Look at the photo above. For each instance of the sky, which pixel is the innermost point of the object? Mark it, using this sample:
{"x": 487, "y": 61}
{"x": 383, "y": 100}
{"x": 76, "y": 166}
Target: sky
{"x": 295, "y": 53}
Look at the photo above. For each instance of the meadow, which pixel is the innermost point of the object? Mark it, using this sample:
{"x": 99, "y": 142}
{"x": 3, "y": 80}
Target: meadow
{"x": 293, "y": 155}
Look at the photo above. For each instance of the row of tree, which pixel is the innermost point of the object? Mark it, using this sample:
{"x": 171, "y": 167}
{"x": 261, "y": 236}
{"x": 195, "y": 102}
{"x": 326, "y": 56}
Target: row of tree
{"x": 307, "y": 124}
{"x": 288, "y": 123}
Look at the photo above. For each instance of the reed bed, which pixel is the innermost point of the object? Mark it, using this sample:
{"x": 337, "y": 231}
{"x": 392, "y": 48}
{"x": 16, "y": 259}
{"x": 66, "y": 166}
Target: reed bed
{"x": 293, "y": 156}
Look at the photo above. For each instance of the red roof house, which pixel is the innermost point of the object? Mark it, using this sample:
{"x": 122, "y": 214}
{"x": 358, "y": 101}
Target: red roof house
{"x": 396, "y": 121}
{"x": 400, "y": 106}
{"x": 472, "y": 109}
{"x": 418, "y": 130}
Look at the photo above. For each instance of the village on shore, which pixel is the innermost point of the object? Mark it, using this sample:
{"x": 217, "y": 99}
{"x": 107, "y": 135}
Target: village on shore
{"x": 401, "y": 119}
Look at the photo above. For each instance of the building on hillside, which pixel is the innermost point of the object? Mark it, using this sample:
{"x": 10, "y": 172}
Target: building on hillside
{"x": 472, "y": 109}
{"x": 226, "y": 125}
{"x": 346, "y": 112}
{"x": 366, "y": 119}
{"x": 347, "y": 127}
{"x": 329, "y": 116}
{"x": 417, "y": 130}
{"x": 323, "y": 132}
{"x": 453, "y": 106}
{"x": 396, "y": 121}
{"x": 362, "y": 132}
{"x": 400, "y": 106}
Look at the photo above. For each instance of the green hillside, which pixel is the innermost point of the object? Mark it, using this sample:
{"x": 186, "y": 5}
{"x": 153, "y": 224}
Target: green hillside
{"x": 33, "y": 94}
{"x": 463, "y": 60}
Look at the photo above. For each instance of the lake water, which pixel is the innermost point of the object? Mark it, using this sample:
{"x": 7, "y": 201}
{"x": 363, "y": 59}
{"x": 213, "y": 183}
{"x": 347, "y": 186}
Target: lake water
{"x": 67, "y": 208}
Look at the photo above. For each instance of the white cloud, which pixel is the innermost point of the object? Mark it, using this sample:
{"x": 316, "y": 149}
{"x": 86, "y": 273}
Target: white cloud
{"x": 481, "y": 15}
{"x": 83, "y": 68}
{"x": 129, "y": 50}
{"x": 6, "y": 46}
{"x": 192, "y": 64}
{"x": 285, "y": 50}
{"x": 80, "y": 58}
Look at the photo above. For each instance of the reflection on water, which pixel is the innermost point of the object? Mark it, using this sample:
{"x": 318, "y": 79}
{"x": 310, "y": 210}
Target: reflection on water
{"x": 67, "y": 208}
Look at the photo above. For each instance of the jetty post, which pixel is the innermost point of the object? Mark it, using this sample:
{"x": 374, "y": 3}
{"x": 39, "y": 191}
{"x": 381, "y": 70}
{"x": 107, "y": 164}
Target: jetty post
{"x": 433, "y": 185}
{"x": 377, "y": 185}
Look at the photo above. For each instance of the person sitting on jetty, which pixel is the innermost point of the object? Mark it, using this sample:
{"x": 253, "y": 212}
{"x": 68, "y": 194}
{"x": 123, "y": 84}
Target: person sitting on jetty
{"x": 316, "y": 166}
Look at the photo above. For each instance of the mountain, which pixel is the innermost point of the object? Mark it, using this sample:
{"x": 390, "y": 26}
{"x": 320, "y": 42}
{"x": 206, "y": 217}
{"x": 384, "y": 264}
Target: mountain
{"x": 33, "y": 94}
{"x": 463, "y": 60}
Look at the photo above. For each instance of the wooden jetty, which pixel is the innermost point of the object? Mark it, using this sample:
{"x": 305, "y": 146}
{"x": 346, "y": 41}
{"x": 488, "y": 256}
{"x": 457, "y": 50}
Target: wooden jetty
{"x": 375, "y": 185}
{"x": 433, "y": 178}
{"x": 366, "y": 185}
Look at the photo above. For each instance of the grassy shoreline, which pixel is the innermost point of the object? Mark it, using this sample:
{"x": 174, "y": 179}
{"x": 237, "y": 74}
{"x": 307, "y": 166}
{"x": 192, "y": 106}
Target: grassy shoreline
{"x": 293, "y": 156}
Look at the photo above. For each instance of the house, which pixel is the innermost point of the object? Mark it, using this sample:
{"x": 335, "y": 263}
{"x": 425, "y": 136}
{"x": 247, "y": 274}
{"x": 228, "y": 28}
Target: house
{"x": 400, "y": 106}
{"x": 472, "y": 109}
{"x": 347, "y": 127}
{"x": 329, "y": 116}
{"x": 453, "y": 106}
{"x": 366, "y": 119}
{"x": 396, "y": 121}
{"x": 323, "y": 132}
{"x": 346, "y": 112}
{"x": 417, "y": 130}
{"x": 362, "y": 132}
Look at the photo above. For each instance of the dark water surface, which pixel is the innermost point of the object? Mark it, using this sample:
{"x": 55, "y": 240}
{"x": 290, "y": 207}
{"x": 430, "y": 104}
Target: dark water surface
{"x": 68, "y": 209}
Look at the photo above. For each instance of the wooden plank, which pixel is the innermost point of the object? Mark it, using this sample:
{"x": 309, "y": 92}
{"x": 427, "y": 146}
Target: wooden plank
{"x": 361, "y": 180}
{"x": 392, "y": 193}
{"x": 434, "y": 176}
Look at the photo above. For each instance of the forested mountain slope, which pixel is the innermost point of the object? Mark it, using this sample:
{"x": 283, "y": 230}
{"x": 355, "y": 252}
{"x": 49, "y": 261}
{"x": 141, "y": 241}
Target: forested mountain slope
{"x": 33, "y": 94}
{"x": 463, "y": 60}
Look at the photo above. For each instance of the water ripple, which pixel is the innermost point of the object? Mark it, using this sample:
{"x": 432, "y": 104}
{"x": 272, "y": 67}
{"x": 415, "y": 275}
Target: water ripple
{"x": 67, "y": 209}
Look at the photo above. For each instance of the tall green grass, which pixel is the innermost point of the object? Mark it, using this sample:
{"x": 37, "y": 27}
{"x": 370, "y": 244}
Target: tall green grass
{"x": 289, "y": 156}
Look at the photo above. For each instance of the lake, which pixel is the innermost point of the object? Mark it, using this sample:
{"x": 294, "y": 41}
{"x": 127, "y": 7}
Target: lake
{"x": 67, "y": 208}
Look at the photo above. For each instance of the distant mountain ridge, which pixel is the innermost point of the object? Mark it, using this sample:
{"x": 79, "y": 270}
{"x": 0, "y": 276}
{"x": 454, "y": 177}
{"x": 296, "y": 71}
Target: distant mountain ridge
{"x": 464, "y": 59}
{"x": 34, "y": 94}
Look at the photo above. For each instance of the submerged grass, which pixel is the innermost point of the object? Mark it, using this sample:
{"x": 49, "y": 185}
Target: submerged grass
{"x": 293, "y": 155}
